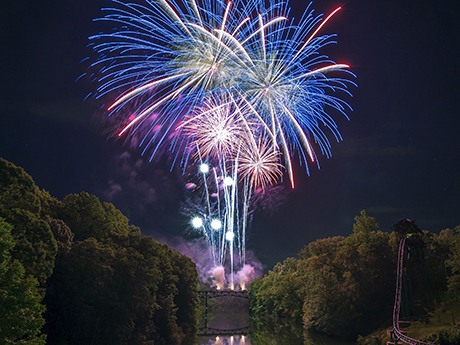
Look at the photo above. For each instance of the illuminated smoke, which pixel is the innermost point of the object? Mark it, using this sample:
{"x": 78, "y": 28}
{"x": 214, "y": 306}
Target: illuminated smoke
{"x": 245, "y": 276}
{"x": 218, "y": 275}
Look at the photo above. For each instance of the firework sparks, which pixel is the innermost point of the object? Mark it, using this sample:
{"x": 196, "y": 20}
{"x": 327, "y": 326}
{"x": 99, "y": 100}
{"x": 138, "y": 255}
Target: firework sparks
{"x": 261, "y": 67}
{"x": 234, "y": 86}
{"x": 216, "y": 129}
{"x": 260, "y": 164}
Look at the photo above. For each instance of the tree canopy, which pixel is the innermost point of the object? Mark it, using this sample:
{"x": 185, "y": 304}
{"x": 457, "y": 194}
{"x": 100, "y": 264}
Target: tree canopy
{"x": 344, "y": 286}
{"x": 101, "y": 281}
{"x": 21, "y": 312}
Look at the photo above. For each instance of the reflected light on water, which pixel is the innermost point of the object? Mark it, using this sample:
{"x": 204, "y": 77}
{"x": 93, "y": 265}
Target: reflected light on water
{"x": 226, "y": 340}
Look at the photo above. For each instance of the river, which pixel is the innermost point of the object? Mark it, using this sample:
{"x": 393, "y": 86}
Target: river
{"x": 231, "y": 315}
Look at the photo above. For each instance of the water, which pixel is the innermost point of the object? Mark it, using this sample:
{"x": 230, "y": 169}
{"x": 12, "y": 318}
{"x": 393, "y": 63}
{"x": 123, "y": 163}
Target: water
{"x": 231, "y": 315}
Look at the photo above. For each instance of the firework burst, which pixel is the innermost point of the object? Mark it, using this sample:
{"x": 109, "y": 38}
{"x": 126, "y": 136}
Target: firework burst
{"x": 237, "y": 85}
{"x": 178, "y": 57}
{"x": 260, "y": 164}
{"x": 216, "y": 129}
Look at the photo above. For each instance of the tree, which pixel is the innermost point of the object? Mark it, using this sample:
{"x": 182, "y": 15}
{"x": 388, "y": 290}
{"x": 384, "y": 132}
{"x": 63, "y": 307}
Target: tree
{"x": 350, "y": 281}
{"x": 186, "y": 300}
{"x": 454, "y": 264}
{"x": 20, "y": 205}
{"x": 340, "y": 286}
{"x": 364, "y": 224}
{"x": 21, "y": 312}
{"x": 17, "y": 189}
{"x": 98, "y": 294}
{"x": 49, "y": 206}
{"x": 62, "y": 234}
{"x": 281, "y": 293}
{"x": 88, "y": 217}
{"x": 123, "y": 289}
{"x": 35, "y": 247}
{"x": 105, "y": 283}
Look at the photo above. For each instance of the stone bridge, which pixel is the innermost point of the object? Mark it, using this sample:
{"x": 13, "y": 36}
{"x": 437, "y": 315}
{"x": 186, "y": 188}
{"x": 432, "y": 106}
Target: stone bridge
{"x": 222, "y": 293}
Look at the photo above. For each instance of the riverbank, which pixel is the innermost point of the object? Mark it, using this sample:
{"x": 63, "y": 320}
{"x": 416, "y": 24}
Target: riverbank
{"x": 443, "y": 319}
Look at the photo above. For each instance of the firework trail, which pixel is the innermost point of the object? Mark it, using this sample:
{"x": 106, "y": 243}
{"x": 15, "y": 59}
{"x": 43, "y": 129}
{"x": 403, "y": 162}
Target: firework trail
{"x": 236, "y": 85}
{"x": 214, "y": 213}
{"x": 174, "y": 56}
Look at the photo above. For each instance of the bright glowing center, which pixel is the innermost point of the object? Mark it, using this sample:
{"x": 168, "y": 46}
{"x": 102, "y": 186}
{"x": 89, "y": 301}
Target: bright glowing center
{"x": 216, "y": 224}
{"x": 213, "y": 69}
{"x": 197, "y": 222}
{"x": 204, "y": 168}
{"x": 229, "y": 236}
{"x": 228, "y": 181}
{"x": 220, "y": 135}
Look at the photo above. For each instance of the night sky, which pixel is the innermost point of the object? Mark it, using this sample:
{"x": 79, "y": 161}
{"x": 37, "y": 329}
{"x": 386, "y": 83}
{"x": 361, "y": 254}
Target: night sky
{"x": 400, "y": 156}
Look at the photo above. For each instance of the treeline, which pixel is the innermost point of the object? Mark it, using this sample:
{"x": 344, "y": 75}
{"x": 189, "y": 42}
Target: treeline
{"x": 75, "y": 272}
{"x": 344, "y": 286}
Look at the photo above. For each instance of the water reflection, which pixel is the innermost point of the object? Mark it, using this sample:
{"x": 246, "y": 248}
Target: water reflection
{"x": 226, "y": 321}
{"x": 262, "y": 331}
{"x": 225, "y": 340}
{"x": 224, "y": 314}
{"x": 266, "y": 331}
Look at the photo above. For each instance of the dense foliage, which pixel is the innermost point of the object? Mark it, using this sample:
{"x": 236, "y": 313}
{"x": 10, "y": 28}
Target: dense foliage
{"x": 454, "y": 261}
{"x": 344, "y": 286}
{"x": 445, "y": 337}
{"x": 20, "y": 309}
{"x": 75, "y": 272}
{"x": 100, "y": 281}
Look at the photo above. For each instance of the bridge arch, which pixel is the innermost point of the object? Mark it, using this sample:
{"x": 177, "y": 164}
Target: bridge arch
{"x": 205, "y": 294}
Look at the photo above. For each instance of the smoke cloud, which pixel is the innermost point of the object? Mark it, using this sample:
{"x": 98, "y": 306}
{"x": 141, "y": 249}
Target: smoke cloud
{"x": 215, "y": 276}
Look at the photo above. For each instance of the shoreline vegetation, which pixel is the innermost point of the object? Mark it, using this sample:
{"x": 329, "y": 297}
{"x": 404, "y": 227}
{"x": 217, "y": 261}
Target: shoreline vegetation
{"x": 76, "y": 272}
{"x": 344, "y": 287}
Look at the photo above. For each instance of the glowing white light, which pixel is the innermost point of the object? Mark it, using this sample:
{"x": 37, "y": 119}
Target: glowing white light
{"x": 197, "y": 222}
{"x": 216, "y": 224}
{"x": 229, "y": 235}
{"x": 204, "y": 168}
{"x": 228, "y": 181}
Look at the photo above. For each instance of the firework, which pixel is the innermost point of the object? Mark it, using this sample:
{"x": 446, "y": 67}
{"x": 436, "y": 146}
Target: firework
{"x": 266, "y": 70}
{"x": 259, "y": 163}
{"x": 215, "y": 130}
{"x": 237, "y": 87}
{"x": 285, "y": 89}
{"x": 170, "y": 56}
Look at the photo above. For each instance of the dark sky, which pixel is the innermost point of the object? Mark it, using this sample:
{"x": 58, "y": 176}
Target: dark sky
{"x": 400, "y": 156}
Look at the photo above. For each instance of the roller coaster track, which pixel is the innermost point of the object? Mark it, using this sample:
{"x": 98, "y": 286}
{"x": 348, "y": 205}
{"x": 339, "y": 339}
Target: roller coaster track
{"x": 397, "y": 307}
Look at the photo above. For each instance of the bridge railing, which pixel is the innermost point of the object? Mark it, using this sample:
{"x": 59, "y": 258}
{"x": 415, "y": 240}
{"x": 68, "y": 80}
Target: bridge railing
{"x": 217, "y": 331}
{"x": 223, "y": 293}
